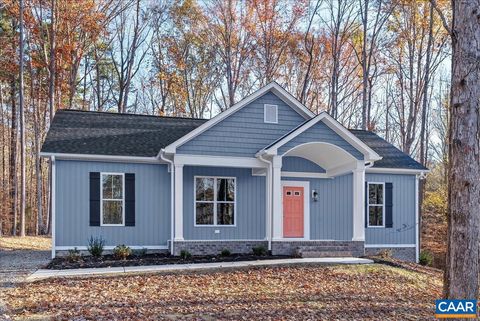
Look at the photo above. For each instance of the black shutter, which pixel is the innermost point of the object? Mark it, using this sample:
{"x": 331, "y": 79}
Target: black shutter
{"x": 388, "y": 205}
{"x": 366, "y": 204}
{"x": 94, "y": 199}
{"x": 129, "y": 199}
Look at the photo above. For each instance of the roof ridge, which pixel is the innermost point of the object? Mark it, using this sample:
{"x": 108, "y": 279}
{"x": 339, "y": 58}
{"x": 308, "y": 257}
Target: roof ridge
{"x": 126, "y": 114}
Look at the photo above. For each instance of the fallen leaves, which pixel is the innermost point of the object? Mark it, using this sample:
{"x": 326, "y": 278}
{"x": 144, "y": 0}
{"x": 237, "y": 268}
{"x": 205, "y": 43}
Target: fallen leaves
{"x": 336, "y": 292}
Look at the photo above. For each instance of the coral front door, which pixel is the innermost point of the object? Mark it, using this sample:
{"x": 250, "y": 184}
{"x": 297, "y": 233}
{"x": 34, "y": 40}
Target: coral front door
{"x": 293, "y": 219}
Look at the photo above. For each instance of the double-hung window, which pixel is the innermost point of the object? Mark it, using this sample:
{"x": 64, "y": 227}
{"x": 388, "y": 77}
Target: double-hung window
{"x": 376, "y": 204}
{"x": 112, "y": 199}
{"x": 214, "y": 200}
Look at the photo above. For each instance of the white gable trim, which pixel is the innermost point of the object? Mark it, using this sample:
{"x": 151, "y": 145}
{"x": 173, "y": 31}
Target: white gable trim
{"x": 273, "y": 87}
{"x": 369, "y": 153}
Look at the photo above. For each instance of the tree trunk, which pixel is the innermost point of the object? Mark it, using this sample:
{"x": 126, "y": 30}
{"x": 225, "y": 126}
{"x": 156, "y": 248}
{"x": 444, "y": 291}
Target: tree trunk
{"x": 462, "y": 266}
{"x": 23, "y": 193}
{"x": 13, "y": 156}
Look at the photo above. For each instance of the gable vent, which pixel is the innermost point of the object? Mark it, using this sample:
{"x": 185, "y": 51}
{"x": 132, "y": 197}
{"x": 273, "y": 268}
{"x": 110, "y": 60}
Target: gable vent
{"x": 270, "y": 114}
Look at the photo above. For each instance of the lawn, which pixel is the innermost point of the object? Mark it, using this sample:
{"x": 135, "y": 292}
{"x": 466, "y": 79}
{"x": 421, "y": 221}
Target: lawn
{"x": 376, "y": 291}
{"x": 39, "y": 243}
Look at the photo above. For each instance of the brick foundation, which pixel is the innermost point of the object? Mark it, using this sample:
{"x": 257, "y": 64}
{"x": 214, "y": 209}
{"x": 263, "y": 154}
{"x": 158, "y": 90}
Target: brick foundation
{"x": 353, "y": 248}
{"x": 215, "y": 247}
{"x": 401, "y": 253}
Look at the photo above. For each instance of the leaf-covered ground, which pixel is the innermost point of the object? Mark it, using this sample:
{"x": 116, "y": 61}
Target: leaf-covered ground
{"x": 41, "y": 243}
{"x": 373, "y": 292}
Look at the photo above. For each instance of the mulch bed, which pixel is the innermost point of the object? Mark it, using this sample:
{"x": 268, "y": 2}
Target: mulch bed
{"x": 63, "y": 263}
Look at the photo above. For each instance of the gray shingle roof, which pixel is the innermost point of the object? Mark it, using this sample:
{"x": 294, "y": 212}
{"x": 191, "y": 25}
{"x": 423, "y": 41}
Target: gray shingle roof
{"x": 392, "y": 156}
{"x": 102, "y": 133}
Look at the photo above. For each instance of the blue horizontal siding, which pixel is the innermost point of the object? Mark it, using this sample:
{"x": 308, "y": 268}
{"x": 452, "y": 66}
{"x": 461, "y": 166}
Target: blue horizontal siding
{"x": 403, "y": 230}
{"x": 320, "y": 133}
{"x": 299, "y": 164}
{"x": 331, "y": 216}
{"x": 249, "y": 212}
{"x": 152, "y": 205}
{"x": 244, "y": 133}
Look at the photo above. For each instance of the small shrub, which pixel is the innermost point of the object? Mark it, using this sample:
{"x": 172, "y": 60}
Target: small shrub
{"x": 122, "y": 252}
{"x": 184, "y": 254}
{"x": 96, "y": 245}
{"x": 225, "y": 252}
{"x": 425, "y": 258}
{"x": 385, "y": 254}
{"x": 259, "y": 250}
{"x": 140, "y": 252}
{"x": 73, "y": 255}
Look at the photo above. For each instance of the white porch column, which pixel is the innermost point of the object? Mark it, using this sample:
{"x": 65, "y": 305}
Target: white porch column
{"x": 277, "y": 198}
{"x": 178, "y": 202}
{"x": 359, "y": 202}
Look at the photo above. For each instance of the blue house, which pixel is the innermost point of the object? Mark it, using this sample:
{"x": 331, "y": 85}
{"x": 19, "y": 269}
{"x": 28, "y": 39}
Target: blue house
{"x": 265, "y": 172}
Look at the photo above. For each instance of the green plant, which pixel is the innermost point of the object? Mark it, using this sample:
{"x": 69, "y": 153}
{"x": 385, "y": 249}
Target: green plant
{"x": 225, "y": 252}
{"x": 122, "y": 252}
{"x": 259, "y": 250}
{"x": 96, "y": 245}
{"x": 425, "y": 258}
{"x": 73, "y": 255}
{"x": 140, "y": 252}
{"x": 184, "y": 254}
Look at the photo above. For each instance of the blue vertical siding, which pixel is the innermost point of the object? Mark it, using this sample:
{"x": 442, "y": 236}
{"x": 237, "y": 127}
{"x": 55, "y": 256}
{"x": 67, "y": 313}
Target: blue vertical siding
{"x": 320, "y": 133}
{"x": 244, "y": 133}
{"x": 403, "y": 231}
{"x": 152, "y": 205}
{"x": 299, "y": 164}
{"x": 331, "y": 216}
{"x": 249, "y": 212}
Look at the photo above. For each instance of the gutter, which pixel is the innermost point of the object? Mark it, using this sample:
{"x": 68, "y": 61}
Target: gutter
{"x": 162, "y": 156}
{"x": 260, "y": 156}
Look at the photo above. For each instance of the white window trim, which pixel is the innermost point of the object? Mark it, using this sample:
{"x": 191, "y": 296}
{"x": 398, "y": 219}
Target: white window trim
{"x": 382, "y": 205}
{"x": 102, "y": 199}
{"x": 265, "y": 114}
{"x": 214, "y": 201}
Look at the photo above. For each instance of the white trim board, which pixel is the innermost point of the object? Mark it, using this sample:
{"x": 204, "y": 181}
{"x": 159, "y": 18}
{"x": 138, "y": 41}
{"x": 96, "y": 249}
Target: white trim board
{"x": 389, "y": 245}
{"x": 273, "y": 87}
{"x": 109, "y": 247}
{"x": 305, "y": 175}
{"x": 221, "y": 161}
{"x": 306, "y": 209}
{"x": 381, "y": 170}
{"x": 105, "y": 158}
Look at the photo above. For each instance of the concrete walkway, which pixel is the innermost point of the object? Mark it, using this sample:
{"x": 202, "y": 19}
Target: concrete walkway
{"x": 44, "y": 274}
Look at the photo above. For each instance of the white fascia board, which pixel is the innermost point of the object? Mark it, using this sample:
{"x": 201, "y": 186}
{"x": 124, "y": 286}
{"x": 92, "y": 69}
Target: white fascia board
{"x": 221, "y": 161}
{"x": 273, "y": 86}
{"x": 381, "y": 170}
{"x": 106, "y": 158}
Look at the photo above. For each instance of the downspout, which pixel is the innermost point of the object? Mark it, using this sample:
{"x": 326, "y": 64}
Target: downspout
{"x": 269, "y": 197}
{"x": 172, "y": 197}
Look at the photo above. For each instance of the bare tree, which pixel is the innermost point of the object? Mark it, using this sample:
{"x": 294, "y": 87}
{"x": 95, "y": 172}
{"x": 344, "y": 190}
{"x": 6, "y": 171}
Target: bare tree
{"x": 131, "y": 38}
{"x": 22, "y": 126}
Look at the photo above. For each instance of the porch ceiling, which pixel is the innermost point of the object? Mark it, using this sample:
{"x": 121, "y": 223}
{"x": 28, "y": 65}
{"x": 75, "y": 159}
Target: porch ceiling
{"x": 326, "y": 155}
